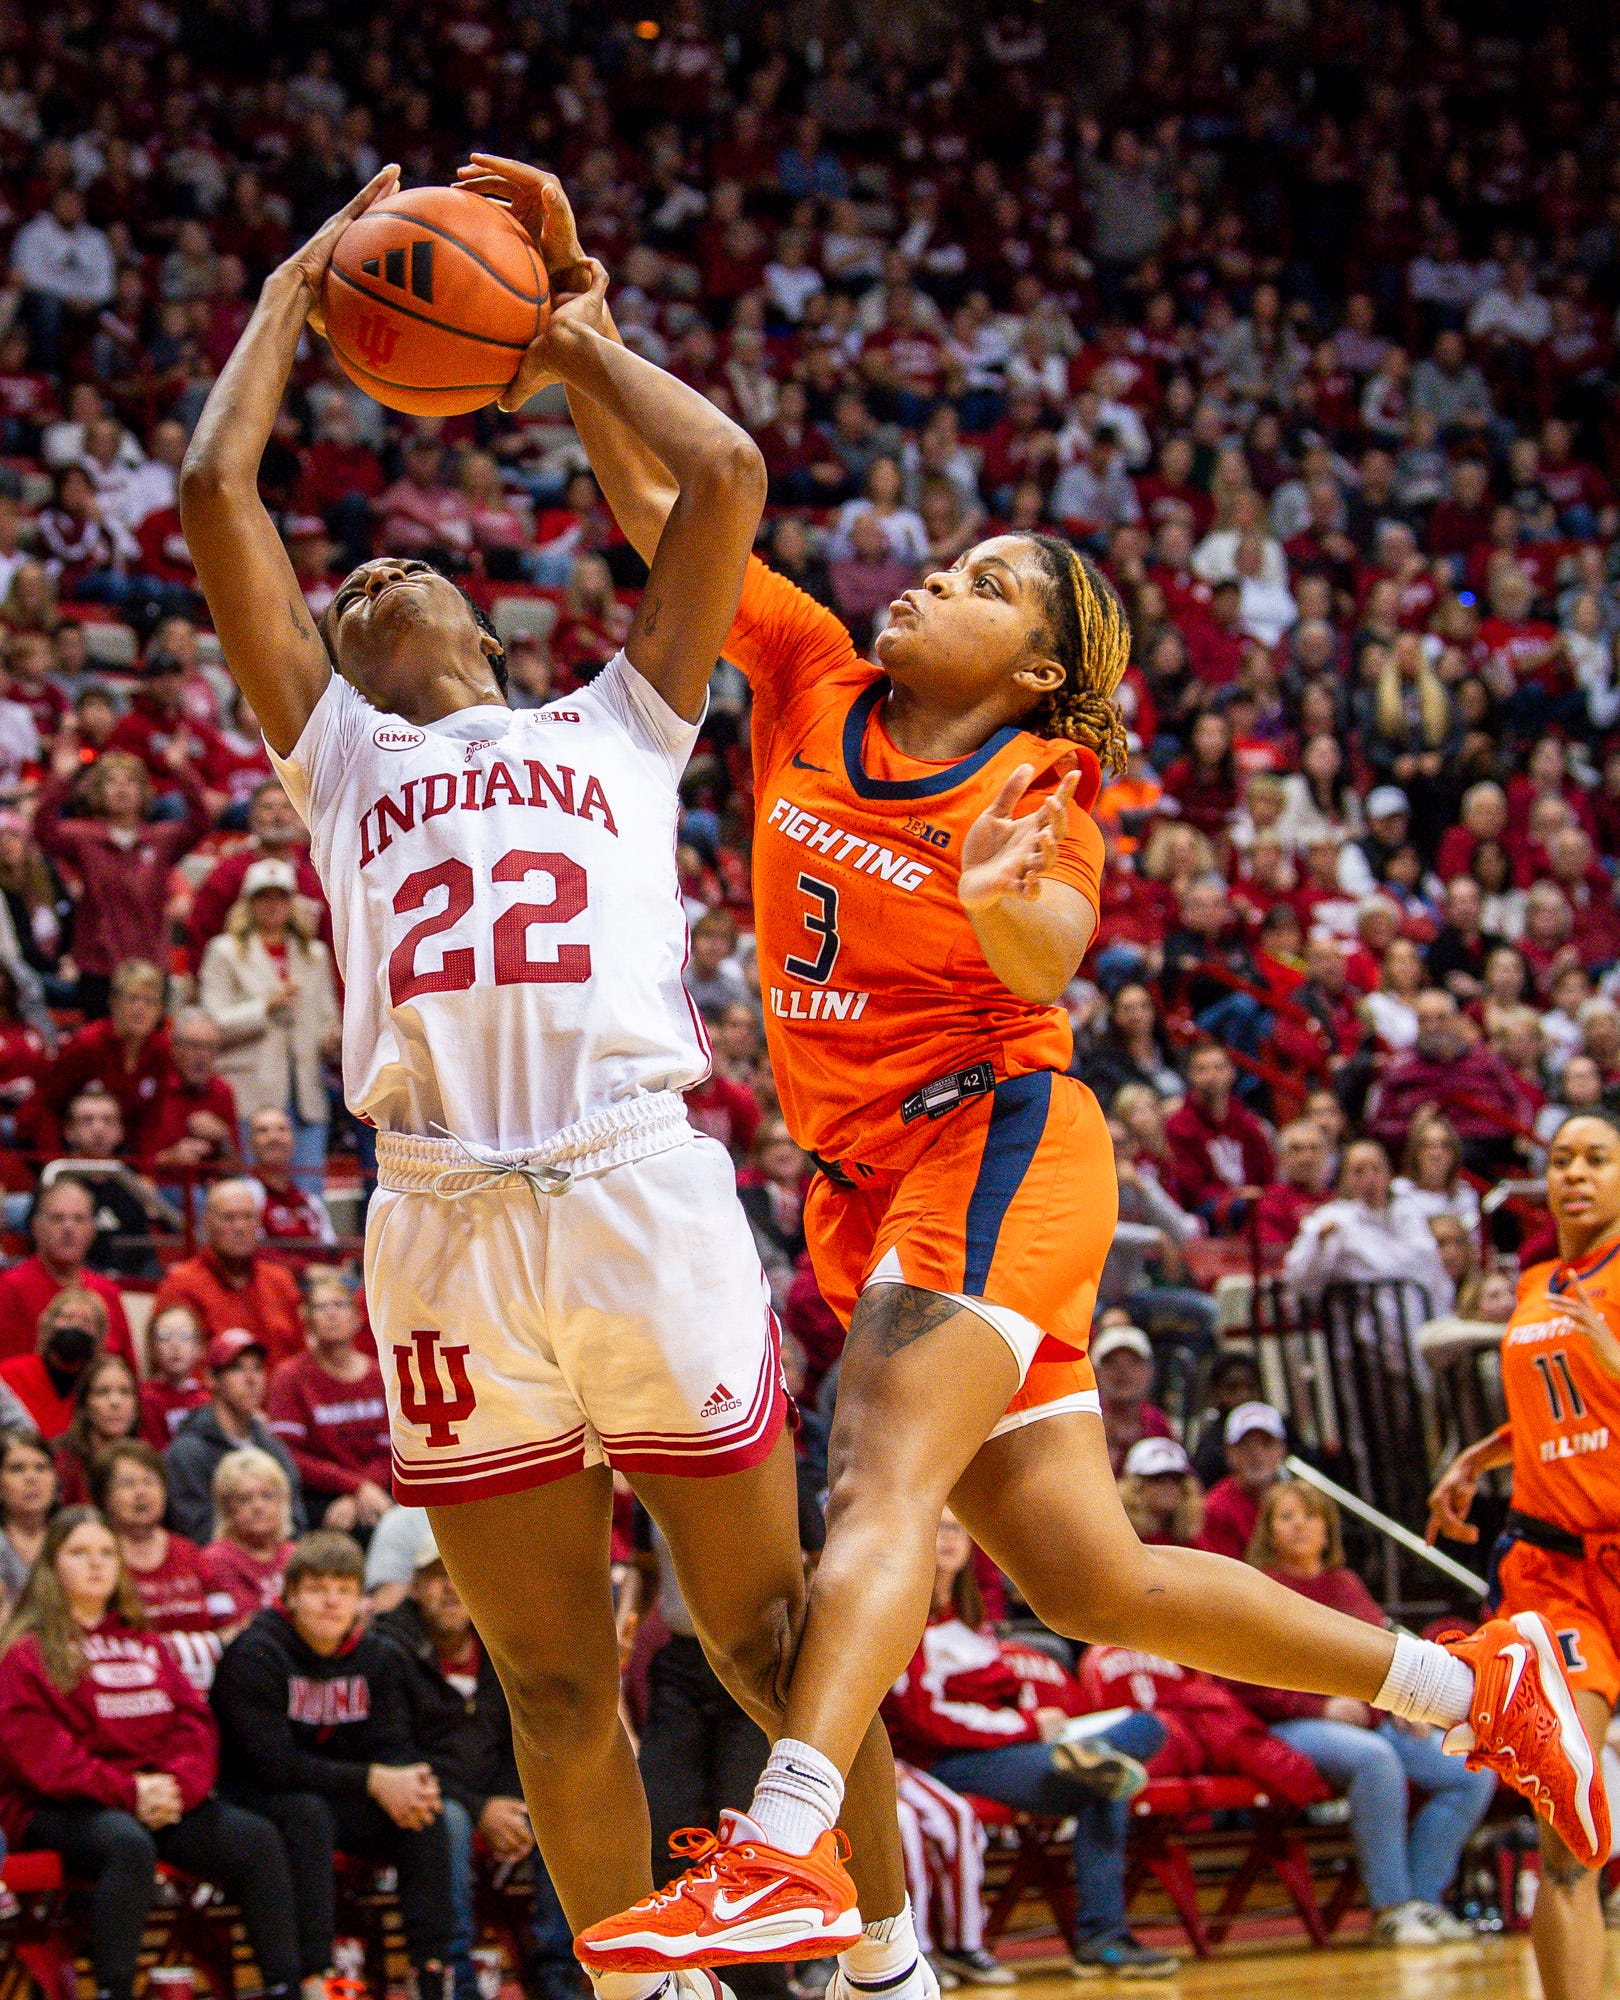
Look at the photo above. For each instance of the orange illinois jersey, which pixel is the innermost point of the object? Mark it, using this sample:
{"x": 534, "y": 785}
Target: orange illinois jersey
{"x": 880, "y": 1009}
{"x": 1563, "y": 1406}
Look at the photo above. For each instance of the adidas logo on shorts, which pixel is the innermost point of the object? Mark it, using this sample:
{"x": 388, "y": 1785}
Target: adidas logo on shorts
{"x": 721, "y": 1403}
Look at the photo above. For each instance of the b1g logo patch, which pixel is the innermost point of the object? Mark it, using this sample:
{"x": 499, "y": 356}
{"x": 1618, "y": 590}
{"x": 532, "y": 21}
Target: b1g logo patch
{"x": 398, "y": 736}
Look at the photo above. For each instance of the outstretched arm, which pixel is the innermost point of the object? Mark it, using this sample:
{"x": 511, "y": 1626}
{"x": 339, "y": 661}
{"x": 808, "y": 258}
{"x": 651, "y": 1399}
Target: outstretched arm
{"x": 635, "y": 483}
{"x": 696, "y": 580}
{"x": 1033, "y": 930}
{"x": 271, "y": 646}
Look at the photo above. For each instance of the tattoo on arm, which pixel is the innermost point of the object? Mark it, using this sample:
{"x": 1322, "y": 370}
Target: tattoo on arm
{"x": 299, "y": 615}
{"x": 898, "y": 1315}
{"x": 649, "y": 622}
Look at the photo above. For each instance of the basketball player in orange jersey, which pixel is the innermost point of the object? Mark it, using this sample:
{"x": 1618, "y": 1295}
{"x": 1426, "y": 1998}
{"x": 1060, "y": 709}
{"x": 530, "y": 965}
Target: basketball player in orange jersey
{"x": 558, "y": 1269}
{"x": 1559, "y": 1553}
{"x": 915, "y": 933}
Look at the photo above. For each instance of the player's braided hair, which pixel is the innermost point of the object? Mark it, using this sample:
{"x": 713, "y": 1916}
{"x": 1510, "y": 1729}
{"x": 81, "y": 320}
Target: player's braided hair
{"x": 1091, "y": 641}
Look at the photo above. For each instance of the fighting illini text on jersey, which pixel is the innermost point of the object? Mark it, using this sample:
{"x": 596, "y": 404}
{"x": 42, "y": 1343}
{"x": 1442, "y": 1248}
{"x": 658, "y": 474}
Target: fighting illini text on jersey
{"x": 956, "y": 1157}
{"x": 1559, "y": 1553}
{"x": 872, "y": 980}
{"x": 1563, "y": 1406}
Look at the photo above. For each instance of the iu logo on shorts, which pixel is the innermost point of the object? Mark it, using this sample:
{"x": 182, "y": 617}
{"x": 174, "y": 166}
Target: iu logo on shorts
{"x": 376, "y": 339}
{"x": 422, "y": 1397}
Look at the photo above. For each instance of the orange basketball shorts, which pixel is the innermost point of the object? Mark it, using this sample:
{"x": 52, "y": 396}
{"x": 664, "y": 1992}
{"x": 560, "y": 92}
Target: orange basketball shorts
{"x": 1579, "y": 1596}
{"x": 1010, "y": 1209}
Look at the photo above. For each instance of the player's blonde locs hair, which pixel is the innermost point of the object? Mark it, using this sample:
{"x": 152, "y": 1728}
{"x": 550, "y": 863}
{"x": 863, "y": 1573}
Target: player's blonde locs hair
{"x": 1091, "y": 641}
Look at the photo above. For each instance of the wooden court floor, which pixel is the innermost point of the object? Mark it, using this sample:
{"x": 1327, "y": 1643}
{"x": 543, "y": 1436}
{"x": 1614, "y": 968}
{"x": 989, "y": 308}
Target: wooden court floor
{"x": 1496, "y": 1968}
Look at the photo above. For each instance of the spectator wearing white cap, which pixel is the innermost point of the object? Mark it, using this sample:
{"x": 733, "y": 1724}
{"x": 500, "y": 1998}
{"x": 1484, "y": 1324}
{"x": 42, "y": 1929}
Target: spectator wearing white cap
{"x": 1123, "y": 1359}
{"x": 1256, "y": 1445}
{"x": 267, "y": 982}
{"x": 1389, "y": 820}
{"x": 1160, "y": 1493}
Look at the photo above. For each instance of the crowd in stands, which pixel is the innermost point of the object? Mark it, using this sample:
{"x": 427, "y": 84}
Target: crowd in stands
{"x": 1300, "y": 319}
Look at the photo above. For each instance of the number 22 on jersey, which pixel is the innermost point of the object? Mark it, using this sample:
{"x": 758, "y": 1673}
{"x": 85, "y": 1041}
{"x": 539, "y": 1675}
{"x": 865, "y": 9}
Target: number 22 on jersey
{"x": 458, "y": 968}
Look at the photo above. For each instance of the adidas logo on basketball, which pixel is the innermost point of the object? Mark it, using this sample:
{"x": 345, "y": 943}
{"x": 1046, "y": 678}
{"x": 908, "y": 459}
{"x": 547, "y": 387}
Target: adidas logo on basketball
{"x": 721, "y": 1403}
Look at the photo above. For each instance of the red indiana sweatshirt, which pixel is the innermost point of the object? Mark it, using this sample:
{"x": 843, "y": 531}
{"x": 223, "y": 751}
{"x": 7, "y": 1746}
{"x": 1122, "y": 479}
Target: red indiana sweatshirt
{"x": 131, "y": 1710}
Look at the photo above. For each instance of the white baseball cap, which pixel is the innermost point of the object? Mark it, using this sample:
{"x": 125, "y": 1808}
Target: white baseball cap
{"x": 1113, "y": 1338}
{"x": 269, "y": 874}
{"x": 1249, "y": 1417}
{"x": 1156, "y": 1458}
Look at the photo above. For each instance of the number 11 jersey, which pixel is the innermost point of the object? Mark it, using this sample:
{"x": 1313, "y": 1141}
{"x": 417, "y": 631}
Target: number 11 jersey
{"x": 505, "y": 906}
{"x": 1563, "y": 1405}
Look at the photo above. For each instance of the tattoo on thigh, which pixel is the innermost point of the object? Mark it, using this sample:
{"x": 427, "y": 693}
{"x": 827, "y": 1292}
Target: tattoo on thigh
{"x": 1567, "y": 1874}
{"x": 898, "y": 1315}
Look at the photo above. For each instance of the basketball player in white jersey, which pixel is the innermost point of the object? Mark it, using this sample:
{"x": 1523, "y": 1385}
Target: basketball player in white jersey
{"x": 557, "y": 1268}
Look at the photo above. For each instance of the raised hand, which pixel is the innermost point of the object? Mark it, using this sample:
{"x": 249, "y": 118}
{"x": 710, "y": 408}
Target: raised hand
{"x": 1003, "y": 856}
{"x": 312, "y": 260}
{"x": 587, "y": 308}
{"x": 539, "y": 207}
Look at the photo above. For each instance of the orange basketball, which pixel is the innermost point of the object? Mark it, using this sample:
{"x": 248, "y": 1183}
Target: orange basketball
{"x": 431, "y": 298}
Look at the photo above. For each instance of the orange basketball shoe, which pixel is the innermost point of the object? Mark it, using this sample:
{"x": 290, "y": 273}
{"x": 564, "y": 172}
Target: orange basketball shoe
{"x": 1524, "y": 1727}
{"x": 740, "y": 1901}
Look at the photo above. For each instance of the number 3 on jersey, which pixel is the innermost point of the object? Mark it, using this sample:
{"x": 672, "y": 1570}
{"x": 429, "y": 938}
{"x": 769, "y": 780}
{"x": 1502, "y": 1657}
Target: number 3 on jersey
{"x": 821, "y": 922}
{"x": 458, "y": 968}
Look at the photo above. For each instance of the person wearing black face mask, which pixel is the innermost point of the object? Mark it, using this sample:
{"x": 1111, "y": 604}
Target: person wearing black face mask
{"x": 72, "y": 1332}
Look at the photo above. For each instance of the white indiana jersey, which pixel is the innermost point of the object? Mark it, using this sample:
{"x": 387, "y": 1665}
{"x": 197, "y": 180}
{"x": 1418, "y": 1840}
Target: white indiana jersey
{"x": 505, "y": 905}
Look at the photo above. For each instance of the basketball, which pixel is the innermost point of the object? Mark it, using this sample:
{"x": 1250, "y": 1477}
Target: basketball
{"x": 430, "y": 300}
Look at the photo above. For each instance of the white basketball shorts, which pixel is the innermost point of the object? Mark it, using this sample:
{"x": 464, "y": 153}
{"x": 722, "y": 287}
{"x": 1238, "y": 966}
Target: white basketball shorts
{"x": 524, "y": 1334}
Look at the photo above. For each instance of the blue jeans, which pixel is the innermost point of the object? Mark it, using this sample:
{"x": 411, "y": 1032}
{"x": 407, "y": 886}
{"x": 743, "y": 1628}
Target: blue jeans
{"x": 1022, "y": 1775}
{"x": 1398, "y": 1862}
{"x": 549, "y": 1936}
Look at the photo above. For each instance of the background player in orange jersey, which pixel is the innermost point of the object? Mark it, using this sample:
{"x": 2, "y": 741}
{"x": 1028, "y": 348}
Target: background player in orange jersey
{"x": 1559, "y": 1553}
{"x": 914, "y": 933}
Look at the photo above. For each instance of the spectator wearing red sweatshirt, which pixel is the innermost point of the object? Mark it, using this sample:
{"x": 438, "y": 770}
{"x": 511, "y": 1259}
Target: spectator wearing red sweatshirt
{"x": 72, "y": 1332}
{"x": 327, "y": 1406}
{"x": 63, "y": 1228}
{"x": 127, "y": 1055}
{"x": 122, "y": 860}
{"x": 191, "y": 1125}
{"x": 170, "y": 743}
{"x": 253, "y": 1517}
{"x": 1220, "y": 1155}
{"x": 174, "y": 1386}
{"x": 1406, "y": 1866}
{"x": 1473, "y": 1088}
{"x": 291, "y": 1213}
{"x": 179, "y": 1592}
{"x": 1256, "y": 1445}
{"x": 110, "y": 1756}
{"x": 230, "y": 1283}
{"x": 1301, "y": 1186}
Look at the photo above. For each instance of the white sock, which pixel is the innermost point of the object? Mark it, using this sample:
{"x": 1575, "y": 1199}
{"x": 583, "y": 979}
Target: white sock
{"x": 885, "y": 1954}
{"x": 629, "y": 1985}
{"x": 1425, "y": 1683}
{"x": 799, "y": 1797}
